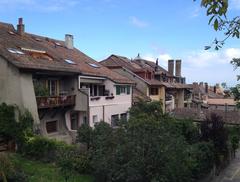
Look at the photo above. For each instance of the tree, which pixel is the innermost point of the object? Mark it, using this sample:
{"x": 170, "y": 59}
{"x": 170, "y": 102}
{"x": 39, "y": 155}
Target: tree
{"x": 217, "y": 12}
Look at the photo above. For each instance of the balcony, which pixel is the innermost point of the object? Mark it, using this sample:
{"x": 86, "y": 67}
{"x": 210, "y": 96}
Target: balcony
{"x": 55, "y": 101}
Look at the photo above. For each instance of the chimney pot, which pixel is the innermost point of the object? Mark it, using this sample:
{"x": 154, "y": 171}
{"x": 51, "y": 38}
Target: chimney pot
{"x": 69, "y": 41}
{"x": 170, "y": 66}
{"x": 206, "y": 87}
{"x": 20, "y": 26}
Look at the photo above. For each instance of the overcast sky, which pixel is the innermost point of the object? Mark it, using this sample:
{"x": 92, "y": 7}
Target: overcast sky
{"x": 153, "y": 28}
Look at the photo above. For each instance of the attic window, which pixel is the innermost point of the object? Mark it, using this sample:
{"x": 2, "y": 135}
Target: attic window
{"x": 37, "y": 39}
{"x": 15, "y": 51}
{"x": 11, "y": 32}
{"x": 37, "y": 54}
{"x": 58, "y": 44}
{"x": 69, "y": 61}
{"x": 93, "y": 65}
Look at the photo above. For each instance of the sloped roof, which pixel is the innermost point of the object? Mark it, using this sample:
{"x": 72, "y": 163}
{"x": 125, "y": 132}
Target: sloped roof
{"x": 55, "y": 49}
{"x": 139, "y": 96}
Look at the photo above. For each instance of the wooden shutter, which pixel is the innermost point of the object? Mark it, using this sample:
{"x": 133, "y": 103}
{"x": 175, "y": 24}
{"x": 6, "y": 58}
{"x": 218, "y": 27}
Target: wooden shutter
{"x": 117, "y": 90}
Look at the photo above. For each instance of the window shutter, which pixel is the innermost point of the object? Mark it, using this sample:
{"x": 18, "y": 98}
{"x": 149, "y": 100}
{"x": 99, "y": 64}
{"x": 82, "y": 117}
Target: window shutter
{"x": 128, "y": 89}
{"x": 117, "y": 90}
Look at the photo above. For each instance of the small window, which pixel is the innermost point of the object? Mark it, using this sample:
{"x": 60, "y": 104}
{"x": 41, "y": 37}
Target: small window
{"x": 114, "y": 120}
{"x": 122, "y": 89}
{"x": 95, "y": 119}
{"x": 51, "y": 126}
{"x": 74, "y": 121}
{"x": 93, "y": 65}
{"x": 123, "y": 116}
{"x": 153, "y": 91}
{"x": 69, "y": 61}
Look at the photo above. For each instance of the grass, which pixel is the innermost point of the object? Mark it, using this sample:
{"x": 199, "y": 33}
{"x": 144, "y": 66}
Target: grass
{"x": 44, "y": 172}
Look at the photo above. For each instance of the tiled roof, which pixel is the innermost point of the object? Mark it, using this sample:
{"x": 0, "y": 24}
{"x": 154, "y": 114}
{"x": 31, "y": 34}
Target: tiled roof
{"x": 139, "y": 96}
{"x": 55, "y": 49}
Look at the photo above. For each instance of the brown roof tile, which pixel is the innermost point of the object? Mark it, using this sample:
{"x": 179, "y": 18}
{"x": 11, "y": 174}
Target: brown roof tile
{"x": 58, "y": 52}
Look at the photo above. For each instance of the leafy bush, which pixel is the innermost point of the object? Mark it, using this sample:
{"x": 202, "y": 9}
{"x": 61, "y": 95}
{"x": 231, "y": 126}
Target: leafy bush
{"x": 72, "y": 160}
{"x": 41, "y": 148}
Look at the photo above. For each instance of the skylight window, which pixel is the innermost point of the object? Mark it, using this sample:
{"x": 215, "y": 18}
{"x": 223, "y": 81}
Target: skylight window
{"x": 93, "y": 65}
{"x": 58, "y": 44}
{"x": 15, "y": 51}
{"x": 69, "y": 61}
{"x": 11, "y": 32}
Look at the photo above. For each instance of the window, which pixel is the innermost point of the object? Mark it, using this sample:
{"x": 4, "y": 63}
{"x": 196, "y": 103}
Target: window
{"x": 95, "y": 119}
{"x": 85, "y": 120}
{"x": 95, "y": 90}
{"x": 53, "y": 87}
{"x": 122, "y": 89}
{"x": 153, "y": 91}
{"x": 51, "y": 126}
{"x": 114, "y": 120}
{"x": 15, "y": 51}
{"x": 93, "y": 65}
{"x": 69, "y": 61}
{"x": 123, "y": 116}
{"x": 74, "y": 121}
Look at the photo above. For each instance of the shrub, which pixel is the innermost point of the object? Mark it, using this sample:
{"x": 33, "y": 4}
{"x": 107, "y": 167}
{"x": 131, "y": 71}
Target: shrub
{"x": 38, "y": 147}
{"x": 71, "y": 160}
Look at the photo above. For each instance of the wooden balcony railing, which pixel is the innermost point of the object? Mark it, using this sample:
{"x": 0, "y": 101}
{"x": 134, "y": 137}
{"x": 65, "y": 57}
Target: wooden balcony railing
{"x": 55, "y": 101}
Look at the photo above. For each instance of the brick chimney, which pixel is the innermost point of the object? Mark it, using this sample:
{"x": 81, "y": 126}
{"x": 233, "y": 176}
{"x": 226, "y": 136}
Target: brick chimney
{"x": 20, "y": 26}
{"x": 69, "y": 41}
{"x": 206, "y": 87}
{"x": 171, "y": 66}
{"x": 215, "y": 89}
{"x": 156, "y": 66}
{"x": 178, "y": 68}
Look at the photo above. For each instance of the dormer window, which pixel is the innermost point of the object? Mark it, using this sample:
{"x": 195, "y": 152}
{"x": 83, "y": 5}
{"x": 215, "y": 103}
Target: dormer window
{"x": 37, "y": 54}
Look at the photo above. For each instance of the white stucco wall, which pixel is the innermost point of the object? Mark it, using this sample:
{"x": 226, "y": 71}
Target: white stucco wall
{"x": 105, "y": 108}
{"x": 16, "y": 88}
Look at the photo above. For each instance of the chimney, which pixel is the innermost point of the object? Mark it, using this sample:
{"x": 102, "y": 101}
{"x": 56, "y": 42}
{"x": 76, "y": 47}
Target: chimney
{"x": 156, "y": 66}
{"x": 69, "y": 41}
{"x": 171, "y": 66}
{"x": 215, "y": 89}
{"x": 20, "y": 26}
{"x": 178, "y": 68}
{"x": 206, "y": 87}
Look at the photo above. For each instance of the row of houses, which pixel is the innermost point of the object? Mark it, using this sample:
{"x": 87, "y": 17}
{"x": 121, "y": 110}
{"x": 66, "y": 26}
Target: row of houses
{"x": 63, "y": 88}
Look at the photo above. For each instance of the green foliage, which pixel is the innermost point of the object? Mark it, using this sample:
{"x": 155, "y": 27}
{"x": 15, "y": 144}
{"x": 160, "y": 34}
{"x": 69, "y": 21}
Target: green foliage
{"x": 41, "y": 148}
{"x": 151, "y": 146}
{"x": 8, "y": 125}
{"x": 85, "y": 134}
{"x": 6, "y": 167}
{"x": 72, "y": 160}
{"x": 40, "y": 89}
{"x": 38, "y": 171}
{"x": 202, "y": 159}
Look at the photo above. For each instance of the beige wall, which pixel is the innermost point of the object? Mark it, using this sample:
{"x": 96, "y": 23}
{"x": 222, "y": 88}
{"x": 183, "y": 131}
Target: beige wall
{"x": 179, "y": 98}
{"x": 140, "y": 84}
{"x": 160, "y": 97}
{"x": 17, "y": 88}
{"x": 105, "y": 108}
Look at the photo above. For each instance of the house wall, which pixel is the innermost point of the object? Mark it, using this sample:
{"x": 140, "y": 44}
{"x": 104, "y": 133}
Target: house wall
{"x": 17, "y": 88}
{"x": 179, "y": 98}
{"x": 105, "y": 108}
{"x": 160, "y": 97}
{"x": 140, "y": 84}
